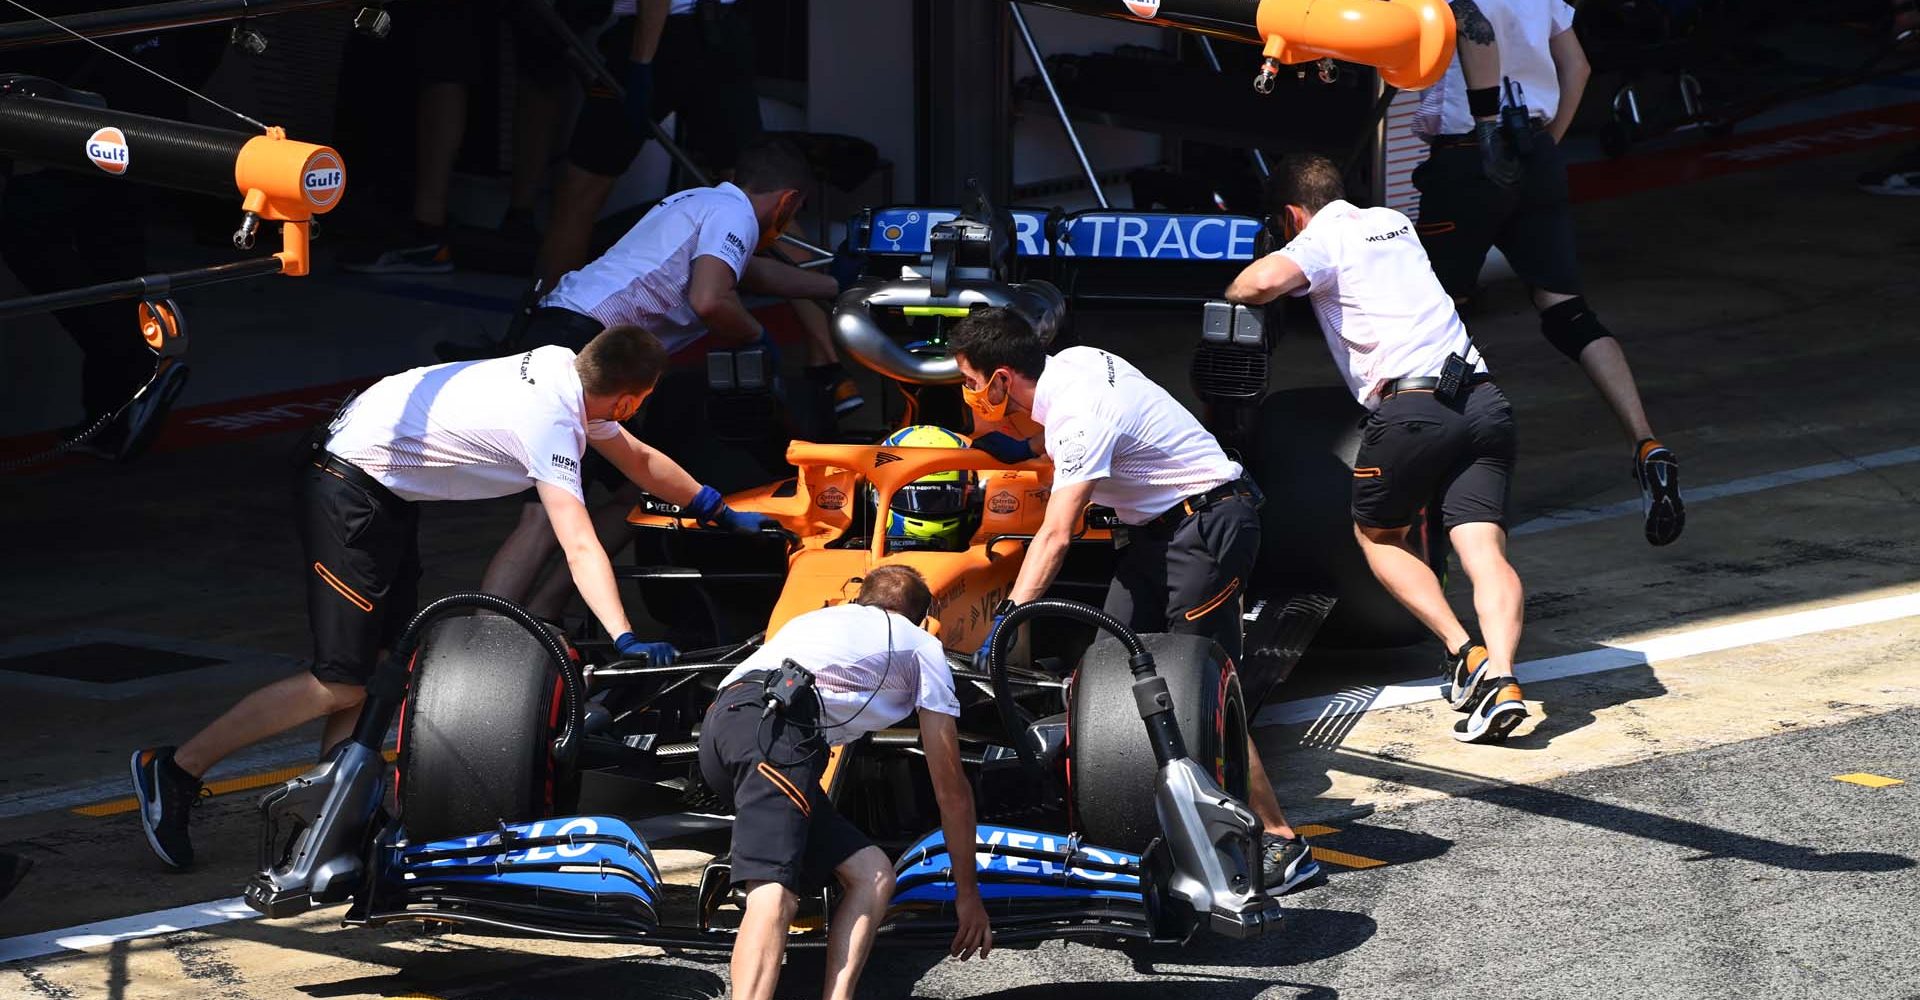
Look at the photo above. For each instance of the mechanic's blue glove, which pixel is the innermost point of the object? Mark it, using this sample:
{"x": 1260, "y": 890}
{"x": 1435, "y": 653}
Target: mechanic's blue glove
{"x": 980, "y": 655}
{"x": 630, "y": 647}
{"x": 708, "y": 508}
{"x": 638, "y": 81}
{"x": 847, "y": 265}
{"x": 1004, "y": 447}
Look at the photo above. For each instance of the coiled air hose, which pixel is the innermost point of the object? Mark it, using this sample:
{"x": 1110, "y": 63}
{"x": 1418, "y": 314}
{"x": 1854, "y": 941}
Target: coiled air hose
{"x": 1139, "y": 660}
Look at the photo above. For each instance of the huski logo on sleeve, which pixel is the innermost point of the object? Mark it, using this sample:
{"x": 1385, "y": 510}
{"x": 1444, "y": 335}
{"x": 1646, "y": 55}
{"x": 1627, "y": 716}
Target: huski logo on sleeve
{"x": 107, "y": 148}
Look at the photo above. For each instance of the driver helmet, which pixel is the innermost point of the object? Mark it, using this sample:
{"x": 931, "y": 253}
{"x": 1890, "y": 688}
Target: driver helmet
{"x": 931, "y": 512}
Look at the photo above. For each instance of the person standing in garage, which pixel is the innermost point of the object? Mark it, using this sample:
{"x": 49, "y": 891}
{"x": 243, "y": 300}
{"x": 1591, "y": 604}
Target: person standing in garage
{"x": 1190, "y": 530}
{"x": 464, "y": 431}
{"x": 1440, "y": 431}
{"x": 1464, "y": 210}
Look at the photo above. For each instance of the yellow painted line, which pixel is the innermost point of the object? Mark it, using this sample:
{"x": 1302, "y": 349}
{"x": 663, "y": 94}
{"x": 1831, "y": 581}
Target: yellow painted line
{"x": 224, "y": 786}
{"x": 1869, "y": 780}
{"x": 1345, "y": 860}
{"x": 1315, "y": 830}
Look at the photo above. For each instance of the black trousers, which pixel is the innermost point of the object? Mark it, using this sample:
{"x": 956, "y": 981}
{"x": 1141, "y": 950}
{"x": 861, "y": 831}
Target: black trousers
{"x": 703, "y": 71}
{"x": 1462, "y": 214}
{"x": 1190, "y": 580}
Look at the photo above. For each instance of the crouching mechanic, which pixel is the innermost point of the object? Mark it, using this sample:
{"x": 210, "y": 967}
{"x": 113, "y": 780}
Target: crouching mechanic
{"x": 464, "y": 431}
{"x": 1190, "y": 530}
{"x": 1440, "y": 431}
{"x": 870, "y": 663}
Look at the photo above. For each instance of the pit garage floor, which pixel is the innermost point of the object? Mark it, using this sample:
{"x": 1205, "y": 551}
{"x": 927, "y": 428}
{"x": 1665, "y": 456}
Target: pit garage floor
{"x": 1715, "y": 795}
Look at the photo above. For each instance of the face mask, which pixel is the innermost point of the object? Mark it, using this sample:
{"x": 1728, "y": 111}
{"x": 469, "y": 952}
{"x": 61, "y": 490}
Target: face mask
{"x": 783, "y": 213}
{"x": 980, "y": 401}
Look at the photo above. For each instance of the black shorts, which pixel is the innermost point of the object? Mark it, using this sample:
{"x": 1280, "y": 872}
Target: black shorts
{"x": 784, "y": 829}
{"x": 1190, "y": 580}
{"x": 1462, "y": 213}
{"x": 1416, "y": 450}
{"x": 703, "y": 71}
{"x": 362, "y": 554}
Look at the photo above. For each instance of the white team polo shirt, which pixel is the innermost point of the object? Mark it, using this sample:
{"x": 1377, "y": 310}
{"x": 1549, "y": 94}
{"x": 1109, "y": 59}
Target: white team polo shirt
{"x": 643, "y": 279}
{"x": 1521, "y": 28}
{"x": 857, "y": 653}
{"x": 1381, "y": 309}
{"x": 473, "y": 429}
{"x": 1108, "y": 424}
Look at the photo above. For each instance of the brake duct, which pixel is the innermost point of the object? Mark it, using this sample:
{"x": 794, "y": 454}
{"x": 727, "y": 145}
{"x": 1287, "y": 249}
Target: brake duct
{"x": 1409, "y": 41}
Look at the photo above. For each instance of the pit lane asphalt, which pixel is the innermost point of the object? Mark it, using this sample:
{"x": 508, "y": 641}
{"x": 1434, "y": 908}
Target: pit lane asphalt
{"x": 1779, "y": 343}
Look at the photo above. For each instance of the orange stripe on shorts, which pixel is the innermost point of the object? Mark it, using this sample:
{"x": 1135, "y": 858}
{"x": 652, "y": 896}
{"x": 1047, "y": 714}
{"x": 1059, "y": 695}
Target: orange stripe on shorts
{"x": 345, "y": 591}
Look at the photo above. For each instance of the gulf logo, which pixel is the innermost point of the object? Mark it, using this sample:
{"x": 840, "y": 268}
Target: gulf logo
{"x": 107, "y": 148}
{"x": 323, "y": 179}
{"x": 1143, "y": 8}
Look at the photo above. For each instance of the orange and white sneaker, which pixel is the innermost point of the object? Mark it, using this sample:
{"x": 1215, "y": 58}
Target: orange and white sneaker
{"x": 1463, "y": 672}
{"x": 1495, "y": 714}
{"x": 1659, "y": 475}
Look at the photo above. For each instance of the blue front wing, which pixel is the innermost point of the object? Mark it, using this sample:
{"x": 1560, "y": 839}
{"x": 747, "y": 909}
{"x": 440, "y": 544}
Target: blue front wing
{"x": 594, "y": 878}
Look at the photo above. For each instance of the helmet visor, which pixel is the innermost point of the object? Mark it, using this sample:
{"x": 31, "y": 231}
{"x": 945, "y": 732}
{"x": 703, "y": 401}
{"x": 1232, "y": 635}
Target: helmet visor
{"x": 931, "y": 499}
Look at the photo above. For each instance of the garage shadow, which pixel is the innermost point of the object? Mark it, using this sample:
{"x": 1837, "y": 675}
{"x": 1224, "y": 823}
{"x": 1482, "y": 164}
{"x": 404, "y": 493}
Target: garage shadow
{"x": 1571, "y": 703}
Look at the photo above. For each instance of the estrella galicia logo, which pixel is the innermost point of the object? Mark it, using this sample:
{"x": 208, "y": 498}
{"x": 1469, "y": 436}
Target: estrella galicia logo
{"x": 566, "y": 463}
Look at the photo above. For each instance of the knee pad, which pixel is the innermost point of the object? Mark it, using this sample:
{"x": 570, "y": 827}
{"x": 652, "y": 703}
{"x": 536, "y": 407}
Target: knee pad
{"x": 1570, "y": 326}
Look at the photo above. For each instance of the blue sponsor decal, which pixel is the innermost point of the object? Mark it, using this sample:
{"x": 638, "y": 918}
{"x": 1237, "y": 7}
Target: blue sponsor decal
{"x": 997, "y": 868}
{"x": 600, "y": 855}
{"x": 1101, "y": 234}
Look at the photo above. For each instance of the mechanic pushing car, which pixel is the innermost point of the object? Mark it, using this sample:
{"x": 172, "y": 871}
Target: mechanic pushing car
{"x": 825, "y": 679}
{"x": 1464, "y": 210}
{"x": 676, "y": 273}
{"x": 1439, "y": 430}
{"x": 463, "y": 431}
{"x": 1190, "y": 528}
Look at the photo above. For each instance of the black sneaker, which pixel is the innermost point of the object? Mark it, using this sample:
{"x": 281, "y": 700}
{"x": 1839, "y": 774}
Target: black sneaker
{"x": 1286, "y": 865}
{"x": 1494, "y": 715}
{"x": 1659, "y": 475}
{"x": 1463, "y": 672}
{"x": 427, "y": 258}
{"x": 165, "y": 794}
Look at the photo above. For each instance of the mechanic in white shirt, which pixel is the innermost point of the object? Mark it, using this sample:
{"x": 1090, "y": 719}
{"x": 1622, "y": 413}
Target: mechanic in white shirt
{"x": 871, "y": 664}
{"x": 1440, "y": 432}
{"x": 464, "y": 431}
{"x": 677, "y": 274}
{"x": 1190, "y": 526}
{"x": 1464, "y": 211}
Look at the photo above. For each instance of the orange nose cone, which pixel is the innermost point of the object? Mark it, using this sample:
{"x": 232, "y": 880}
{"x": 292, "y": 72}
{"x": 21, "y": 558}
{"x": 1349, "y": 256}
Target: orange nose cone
{"x": 1409, "y": 41}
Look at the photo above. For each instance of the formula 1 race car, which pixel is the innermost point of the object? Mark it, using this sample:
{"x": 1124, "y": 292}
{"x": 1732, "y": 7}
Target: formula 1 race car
{"x": 534, "y": 772}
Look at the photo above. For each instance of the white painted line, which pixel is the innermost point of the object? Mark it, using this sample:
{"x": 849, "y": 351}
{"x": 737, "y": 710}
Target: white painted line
{"x": 104, "y": 932}
{"x": 1613, "y": 656}
{"x": 1556, "y": 520}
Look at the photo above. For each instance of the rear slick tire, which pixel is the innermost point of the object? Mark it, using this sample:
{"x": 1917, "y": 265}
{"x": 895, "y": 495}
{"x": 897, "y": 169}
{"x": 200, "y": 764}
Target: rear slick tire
{"x": 1111, "y": 769}
{"x": 476, "y": 733}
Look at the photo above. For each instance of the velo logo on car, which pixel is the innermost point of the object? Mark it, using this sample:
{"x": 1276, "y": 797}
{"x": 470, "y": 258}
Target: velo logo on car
{"x": 1143, "y": 8}
{"x": 323, "y": 179}
{"x": 107, "y": 148}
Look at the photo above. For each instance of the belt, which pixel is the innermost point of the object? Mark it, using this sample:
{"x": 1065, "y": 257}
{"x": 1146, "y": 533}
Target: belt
{"x": 757, "y": 678}
{"x": 1453, "y": 140}
{"x": 1172, "y": 516}
{"x": 334, "y": 465}
{"x": 1427, "y": 383}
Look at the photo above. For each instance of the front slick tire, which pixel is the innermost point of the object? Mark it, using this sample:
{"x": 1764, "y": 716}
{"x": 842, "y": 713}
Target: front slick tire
{"x": 1111, "y": 767}
{"x": 476, "y": 733}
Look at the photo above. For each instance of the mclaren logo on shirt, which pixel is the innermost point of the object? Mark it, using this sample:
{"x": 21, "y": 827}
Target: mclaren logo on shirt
{"x": 526, "y": 363}
{"x": 1383, "y": 237}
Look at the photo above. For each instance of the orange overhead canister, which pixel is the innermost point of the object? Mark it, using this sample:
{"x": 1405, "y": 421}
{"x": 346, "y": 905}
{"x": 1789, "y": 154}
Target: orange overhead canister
{"x": 281, "y": 180}
{"x": 1410, "y": 41}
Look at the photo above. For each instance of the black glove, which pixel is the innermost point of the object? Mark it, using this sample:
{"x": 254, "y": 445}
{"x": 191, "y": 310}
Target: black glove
{"x": 1497, "y": 158}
